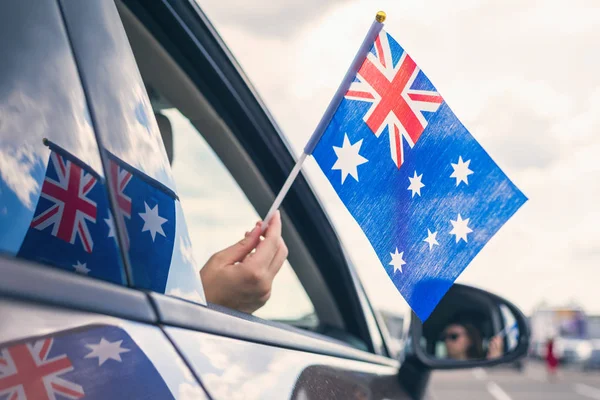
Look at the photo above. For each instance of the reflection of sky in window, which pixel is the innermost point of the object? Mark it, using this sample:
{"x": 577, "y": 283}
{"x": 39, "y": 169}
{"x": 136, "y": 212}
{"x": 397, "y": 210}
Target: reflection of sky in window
{"x": 172, "y": 369}
{"x": 233, "y": 369}
{"x": 17, "y": 208}
{"x": 184, "y": 279}
{"x": 37, "y": 100}
{"x": 218, "y": 213}
{"x": 122, "y": 110}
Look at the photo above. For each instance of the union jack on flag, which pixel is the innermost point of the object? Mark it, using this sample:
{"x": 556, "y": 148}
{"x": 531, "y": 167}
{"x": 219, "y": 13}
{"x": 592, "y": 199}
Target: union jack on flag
{"x": 71, "y": 226}
{"x": 399, "y": 94}
{"x": 119, "y": 181}
{"x": 71, "y": 207}
{"x": 120, "y": 177}
{"x": 27, "y": 372}
{"x": 95, "y": 362}
{"x": 430, "y": 211}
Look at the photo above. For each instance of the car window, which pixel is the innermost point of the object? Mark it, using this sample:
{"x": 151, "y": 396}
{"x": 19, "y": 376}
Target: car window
{"x": 149, "y": 222}
{"x": 54, "y": 207}
{"x": 218, "y": 214}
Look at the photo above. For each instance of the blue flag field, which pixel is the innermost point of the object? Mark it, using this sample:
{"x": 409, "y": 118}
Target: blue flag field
{"x": 426, "y": 194}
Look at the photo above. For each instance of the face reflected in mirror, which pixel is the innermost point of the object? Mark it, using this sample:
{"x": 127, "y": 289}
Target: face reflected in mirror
{"x": 464, "y": 342}
{"x": 470, "y": 326}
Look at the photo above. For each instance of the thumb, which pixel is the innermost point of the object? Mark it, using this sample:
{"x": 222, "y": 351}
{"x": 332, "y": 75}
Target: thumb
{"x": 241, "y": 249}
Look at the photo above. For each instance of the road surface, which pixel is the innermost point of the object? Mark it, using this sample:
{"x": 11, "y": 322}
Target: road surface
{"x": 504, "y": 383}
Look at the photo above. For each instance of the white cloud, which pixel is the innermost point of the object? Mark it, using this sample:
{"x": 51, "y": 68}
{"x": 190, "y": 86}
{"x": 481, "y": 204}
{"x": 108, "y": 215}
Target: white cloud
{"x": 21, "y": 154}
{"x": 189, "y": 391}
{"x": 243, "y": 377}
{"x": 16, "y": 166}
{"x": 268, "y": 18}
{"x": 187, "y": 252}
{"x": 191, "y": 295}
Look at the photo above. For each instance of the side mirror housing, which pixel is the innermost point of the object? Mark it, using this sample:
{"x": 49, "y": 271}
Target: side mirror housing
{"x": 473, "y": 310}
{"x": 469, "y": 328}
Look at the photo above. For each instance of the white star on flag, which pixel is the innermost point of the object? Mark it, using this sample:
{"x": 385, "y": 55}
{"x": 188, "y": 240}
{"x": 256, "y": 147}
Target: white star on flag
{"x": 397, "y": 261}
{"x": 106, "y": 350}
{"x": 111, "y": 226}
{"x": 461, "y": 171}
{"x": 348, "y": 158}
{"x": 415, "y": 184}
{"x": 81, "y": 268}
{"x": 152, "y": 221}
{"x": 431, "y": 239}
{"x": 460, "y": 228}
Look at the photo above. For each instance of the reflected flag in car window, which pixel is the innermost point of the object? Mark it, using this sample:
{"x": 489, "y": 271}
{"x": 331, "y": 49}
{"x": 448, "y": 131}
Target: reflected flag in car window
{"x": 73, "y": 229}
{"x": 96, "y": 362}
{"x": 147, "y": 208}
{"x": 426, "y": 194}
{"x": 69, "y": 228}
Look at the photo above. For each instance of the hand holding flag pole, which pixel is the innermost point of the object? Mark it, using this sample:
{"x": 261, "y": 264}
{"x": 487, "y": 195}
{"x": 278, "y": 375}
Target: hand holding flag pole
{"x": 364, "y": 49}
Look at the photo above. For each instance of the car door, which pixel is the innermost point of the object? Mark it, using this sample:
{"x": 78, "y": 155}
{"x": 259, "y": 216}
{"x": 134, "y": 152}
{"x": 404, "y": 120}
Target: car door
{"x": 234, "y": 355}
{"x": 69, "y": 327}
{"x": 243, "y": 357}
{"x": 64, "y": 336}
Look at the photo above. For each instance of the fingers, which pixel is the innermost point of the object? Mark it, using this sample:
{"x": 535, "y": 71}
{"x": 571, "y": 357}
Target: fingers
{"x": 278, "y": 259}
{"x": 241, "y": 249}
{"x": 495, "y": 347}
{"x": 265, "y": 251}
{"x": 494, "y": 342}
{"x": 499, "y": 343}
{"x": 274, "y": 228}
{"x": 246, "y": 286}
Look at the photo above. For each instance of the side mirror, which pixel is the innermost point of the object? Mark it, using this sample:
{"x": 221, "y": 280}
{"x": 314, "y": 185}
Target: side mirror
{"x": 470, "y": 328}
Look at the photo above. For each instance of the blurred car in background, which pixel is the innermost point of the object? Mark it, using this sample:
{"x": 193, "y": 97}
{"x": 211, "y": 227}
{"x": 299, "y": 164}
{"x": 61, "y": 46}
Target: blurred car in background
{"x": 568, "y": 326}
{"x": 591, "y": 360}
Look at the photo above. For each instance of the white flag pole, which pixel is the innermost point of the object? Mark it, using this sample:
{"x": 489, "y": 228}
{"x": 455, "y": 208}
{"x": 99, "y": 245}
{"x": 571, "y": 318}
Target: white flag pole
{"x": 362, "y": 53}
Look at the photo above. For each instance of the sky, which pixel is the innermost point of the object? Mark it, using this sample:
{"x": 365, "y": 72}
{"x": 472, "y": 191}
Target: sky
{"x": 522, "y": 76}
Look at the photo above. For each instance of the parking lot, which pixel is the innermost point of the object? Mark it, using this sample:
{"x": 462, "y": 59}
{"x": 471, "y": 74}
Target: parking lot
{"x": 504, "y": 383}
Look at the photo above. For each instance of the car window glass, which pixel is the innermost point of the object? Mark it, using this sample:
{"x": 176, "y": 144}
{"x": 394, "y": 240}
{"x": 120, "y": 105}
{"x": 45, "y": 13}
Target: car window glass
{"x": 219, "y": 213}
{"x": 235, "y": 369}
{"x": 53, "y": 199}
{"x": 150, "y": 224}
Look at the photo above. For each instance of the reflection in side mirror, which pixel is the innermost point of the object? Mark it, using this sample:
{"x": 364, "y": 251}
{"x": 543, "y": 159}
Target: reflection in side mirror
{"x": 466, "y": 338}
{"x": 471, "y": 327}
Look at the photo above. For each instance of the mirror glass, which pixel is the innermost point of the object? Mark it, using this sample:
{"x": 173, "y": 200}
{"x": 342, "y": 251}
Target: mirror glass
{"x": 470, "y": 325}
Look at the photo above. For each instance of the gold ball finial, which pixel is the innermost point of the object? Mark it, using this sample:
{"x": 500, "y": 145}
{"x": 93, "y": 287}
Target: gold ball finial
{"x": 380, "y": 17}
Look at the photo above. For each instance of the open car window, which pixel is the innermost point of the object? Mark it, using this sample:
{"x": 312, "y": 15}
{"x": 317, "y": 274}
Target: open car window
{"x": 202, "y": 153}
{"x": 215, "y": 158}
{"x": 218, "y": 213}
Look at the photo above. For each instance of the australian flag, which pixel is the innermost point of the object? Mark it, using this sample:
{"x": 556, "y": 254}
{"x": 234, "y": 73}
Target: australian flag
{"x": 96, "y": 362}
{"x": 147, "y": 208}
{"x": 73, "y": 229}
{"x": 70, "y": 226}
{"x": 425, "y": 193}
